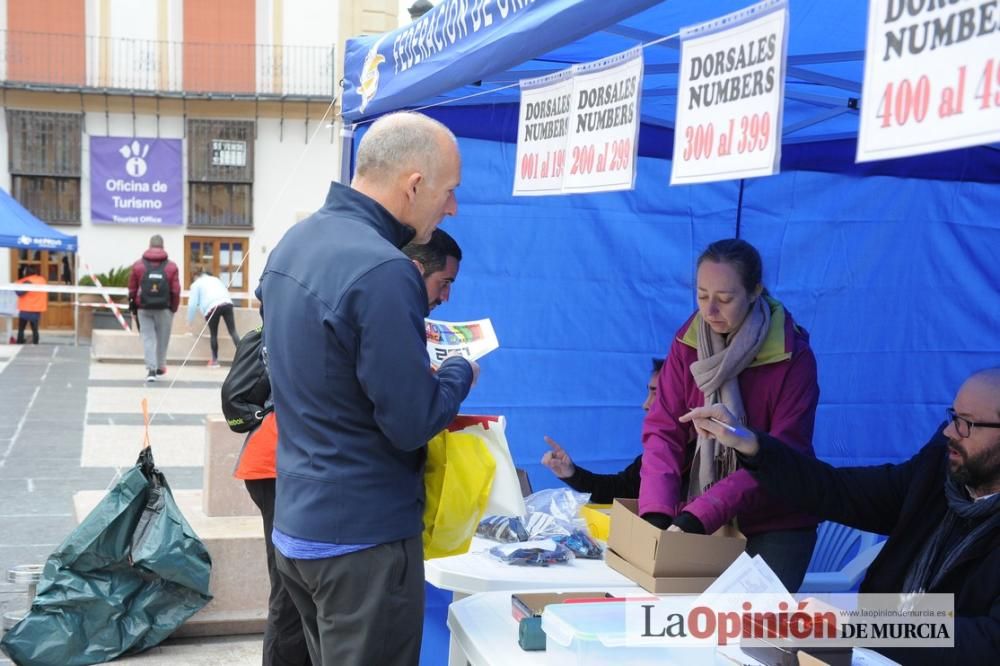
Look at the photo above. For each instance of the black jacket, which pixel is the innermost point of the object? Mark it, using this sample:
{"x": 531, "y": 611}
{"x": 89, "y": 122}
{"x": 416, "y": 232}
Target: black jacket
{"x": 604, "y": 488}
{"x": 352, "y": 385}
{"x": 906, "y": 502}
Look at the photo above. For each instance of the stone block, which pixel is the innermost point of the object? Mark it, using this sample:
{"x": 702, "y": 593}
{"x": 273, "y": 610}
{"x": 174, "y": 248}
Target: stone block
{"x": 223, "y": 495}
{"x": 127, "y": 346}
{"x": 119, "y": 345}
{"x": 245, "y": 318}
{"x": 239, "y": 583}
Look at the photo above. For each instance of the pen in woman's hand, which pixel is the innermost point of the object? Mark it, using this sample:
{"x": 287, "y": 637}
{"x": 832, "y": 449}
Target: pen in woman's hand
{"x": 725, "y": 425}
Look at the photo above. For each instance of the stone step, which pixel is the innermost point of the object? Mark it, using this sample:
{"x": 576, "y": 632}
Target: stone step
{"x": 127, "y": 346}
{"x": 229, "y": 524}
{"x": 119, "y": 345}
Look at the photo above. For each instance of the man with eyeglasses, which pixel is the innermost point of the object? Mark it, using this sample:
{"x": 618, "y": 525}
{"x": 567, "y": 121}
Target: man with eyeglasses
{"x": 940, "y": 509}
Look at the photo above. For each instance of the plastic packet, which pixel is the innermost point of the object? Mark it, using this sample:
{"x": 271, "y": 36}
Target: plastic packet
{"x": 563, "y": 504}
{"x": 581, "y": 544}
{"x": 543, "y": 526}
{"x": 507, "y": 529}
{"x": 532, "y": 553}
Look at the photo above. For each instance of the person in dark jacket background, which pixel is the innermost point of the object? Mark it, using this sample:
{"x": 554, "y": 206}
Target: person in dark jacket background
{"x": 940, "y": 509}
{"x": 438, "y": 261}
{"x": 155, "y": 309}
{"x": 357, "y": 401}
{"x": 603, "y": 488}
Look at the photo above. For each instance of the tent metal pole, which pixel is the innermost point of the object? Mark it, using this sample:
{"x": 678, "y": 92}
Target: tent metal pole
{"x": 739, "y": 209}
{"x": 346, "y": 144}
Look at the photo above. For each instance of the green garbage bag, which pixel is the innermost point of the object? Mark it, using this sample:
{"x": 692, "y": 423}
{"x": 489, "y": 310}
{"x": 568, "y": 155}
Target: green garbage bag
{"x": 125, "y": 579}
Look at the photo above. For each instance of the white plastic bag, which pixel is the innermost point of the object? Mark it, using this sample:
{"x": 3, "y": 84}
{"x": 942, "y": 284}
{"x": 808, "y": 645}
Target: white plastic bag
{"x": 505, "y": 495}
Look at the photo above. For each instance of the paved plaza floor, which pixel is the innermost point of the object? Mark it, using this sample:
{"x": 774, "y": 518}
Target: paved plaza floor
{"x": 68, "y": 423}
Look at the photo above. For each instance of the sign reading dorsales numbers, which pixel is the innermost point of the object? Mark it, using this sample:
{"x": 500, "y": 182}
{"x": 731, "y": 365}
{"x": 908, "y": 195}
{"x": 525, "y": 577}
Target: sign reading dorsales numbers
{"x": 932, "y": 77}
{"x": 578, "y": 128}
{"x": 604, "y": 124}
{"x": 729, "y": 98}
{"x": 541, "y": 134}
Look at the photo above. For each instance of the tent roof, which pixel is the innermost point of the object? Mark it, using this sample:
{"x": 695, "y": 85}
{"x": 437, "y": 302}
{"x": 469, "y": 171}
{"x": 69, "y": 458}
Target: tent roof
{"x": 822, "y": 88}
{"x": 20, "y": 229}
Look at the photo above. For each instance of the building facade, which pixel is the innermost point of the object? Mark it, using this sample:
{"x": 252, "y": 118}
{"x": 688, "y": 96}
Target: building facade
{"x": 209, "y": 122}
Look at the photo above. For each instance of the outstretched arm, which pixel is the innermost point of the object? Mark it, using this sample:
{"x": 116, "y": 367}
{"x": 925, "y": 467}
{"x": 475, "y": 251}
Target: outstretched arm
{"x": 869, "y": 498}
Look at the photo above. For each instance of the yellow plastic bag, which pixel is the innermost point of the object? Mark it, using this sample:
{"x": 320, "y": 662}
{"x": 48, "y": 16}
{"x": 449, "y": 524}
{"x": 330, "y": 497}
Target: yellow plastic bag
{"x": 457, "y": 481}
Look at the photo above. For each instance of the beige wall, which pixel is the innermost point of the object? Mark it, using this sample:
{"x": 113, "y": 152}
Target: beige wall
{"x": 295, "y": 158}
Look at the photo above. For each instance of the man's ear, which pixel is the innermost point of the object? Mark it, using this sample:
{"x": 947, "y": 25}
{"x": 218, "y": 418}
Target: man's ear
{"x": 420, "y": 266}
{"x": 413, "y": 181}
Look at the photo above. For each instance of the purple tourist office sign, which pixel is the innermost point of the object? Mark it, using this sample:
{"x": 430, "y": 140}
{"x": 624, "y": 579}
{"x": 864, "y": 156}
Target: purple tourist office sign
{"x": 134, "y": 180}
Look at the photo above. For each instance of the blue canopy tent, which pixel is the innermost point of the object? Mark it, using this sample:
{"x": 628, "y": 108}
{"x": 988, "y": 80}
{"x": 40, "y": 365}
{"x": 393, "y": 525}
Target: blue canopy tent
{"x": 892, "y": 266}
{"x": 20, "y": 229}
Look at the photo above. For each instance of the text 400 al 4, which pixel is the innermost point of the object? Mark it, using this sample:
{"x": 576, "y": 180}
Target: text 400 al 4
{"x": 905, "y": 101}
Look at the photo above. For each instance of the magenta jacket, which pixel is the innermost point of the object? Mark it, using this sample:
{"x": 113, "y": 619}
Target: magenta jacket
{"x": 779, "y": 392}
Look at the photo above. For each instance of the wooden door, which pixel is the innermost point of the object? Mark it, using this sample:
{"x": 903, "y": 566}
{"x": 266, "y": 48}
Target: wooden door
{"x": 224, "y": 256}
{"x": 56, "y": 268}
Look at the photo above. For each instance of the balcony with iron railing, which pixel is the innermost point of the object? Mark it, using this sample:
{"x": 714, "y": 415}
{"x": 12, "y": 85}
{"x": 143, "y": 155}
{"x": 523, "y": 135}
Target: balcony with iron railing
{"x": 49, "y": 61}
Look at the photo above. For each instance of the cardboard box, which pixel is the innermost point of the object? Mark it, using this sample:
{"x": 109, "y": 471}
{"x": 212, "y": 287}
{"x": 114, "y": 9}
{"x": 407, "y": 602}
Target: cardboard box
{"x": 598, "y": 517}
{"x": 676, "y": 585}
{"x": 653, "y": 557}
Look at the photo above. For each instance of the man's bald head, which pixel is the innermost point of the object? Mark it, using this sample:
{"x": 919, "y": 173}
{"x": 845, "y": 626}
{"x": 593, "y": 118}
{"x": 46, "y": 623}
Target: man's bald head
{"x": 399, "y": 143}
{"x": 410, "y": 164}
{"x": 987, "y": 380}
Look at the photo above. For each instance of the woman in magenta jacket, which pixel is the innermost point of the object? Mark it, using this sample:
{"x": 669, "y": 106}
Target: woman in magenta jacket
{"x": 743, "y": 349}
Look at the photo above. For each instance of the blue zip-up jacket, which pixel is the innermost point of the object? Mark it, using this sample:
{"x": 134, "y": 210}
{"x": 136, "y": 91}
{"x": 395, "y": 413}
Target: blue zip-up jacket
{"x": 357, "y": 402}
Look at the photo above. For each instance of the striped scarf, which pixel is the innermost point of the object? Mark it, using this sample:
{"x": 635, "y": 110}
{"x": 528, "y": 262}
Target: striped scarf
{"x": 716, "y": 372}
{"x": 920, "y": 577}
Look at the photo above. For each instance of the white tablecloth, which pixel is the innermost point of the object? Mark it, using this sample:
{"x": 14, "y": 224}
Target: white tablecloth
{"x": 477, "y": 571}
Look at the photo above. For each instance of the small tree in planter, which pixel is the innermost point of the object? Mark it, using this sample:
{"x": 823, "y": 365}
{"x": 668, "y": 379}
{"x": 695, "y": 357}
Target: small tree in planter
{"x": 102, "y": 317}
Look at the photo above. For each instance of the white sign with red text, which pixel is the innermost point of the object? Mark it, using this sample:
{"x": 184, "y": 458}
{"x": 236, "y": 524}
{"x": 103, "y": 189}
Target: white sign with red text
{"x": 541, "y": 134}
{"x": 604, "y": 124}
{"x": 932, "y": 78}
{"x": 729, "y": 96}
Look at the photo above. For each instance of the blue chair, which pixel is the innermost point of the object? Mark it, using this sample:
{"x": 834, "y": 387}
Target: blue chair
{"x": 840, "y": 559}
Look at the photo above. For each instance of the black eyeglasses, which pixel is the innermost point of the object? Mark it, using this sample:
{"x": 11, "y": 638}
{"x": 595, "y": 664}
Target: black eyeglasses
{"x": 964, "y": 426}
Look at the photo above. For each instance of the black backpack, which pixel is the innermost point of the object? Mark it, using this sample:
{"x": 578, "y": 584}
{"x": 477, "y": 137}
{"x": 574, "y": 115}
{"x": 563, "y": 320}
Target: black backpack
{"x": 246, "y": 391}
{"x": 154, "y": 290}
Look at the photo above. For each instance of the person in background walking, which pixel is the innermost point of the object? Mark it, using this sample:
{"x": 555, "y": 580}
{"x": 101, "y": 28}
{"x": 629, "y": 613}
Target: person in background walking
{"x": 30, "y": 304}
{"x": 211, "y": 296}
{"x": 155, "y": 288}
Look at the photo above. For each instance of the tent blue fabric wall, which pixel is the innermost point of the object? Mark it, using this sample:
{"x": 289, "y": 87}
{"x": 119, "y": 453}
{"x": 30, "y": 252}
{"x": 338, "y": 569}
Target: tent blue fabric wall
{"x": 895, "y": 279}
{"x": 892, "y": 266}
{"x": 20, "y": 229}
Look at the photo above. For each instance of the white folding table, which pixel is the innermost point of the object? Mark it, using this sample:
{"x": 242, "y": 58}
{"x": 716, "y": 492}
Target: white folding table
{"x": 477, "y": 571}
{"x": 485, "y": 634}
